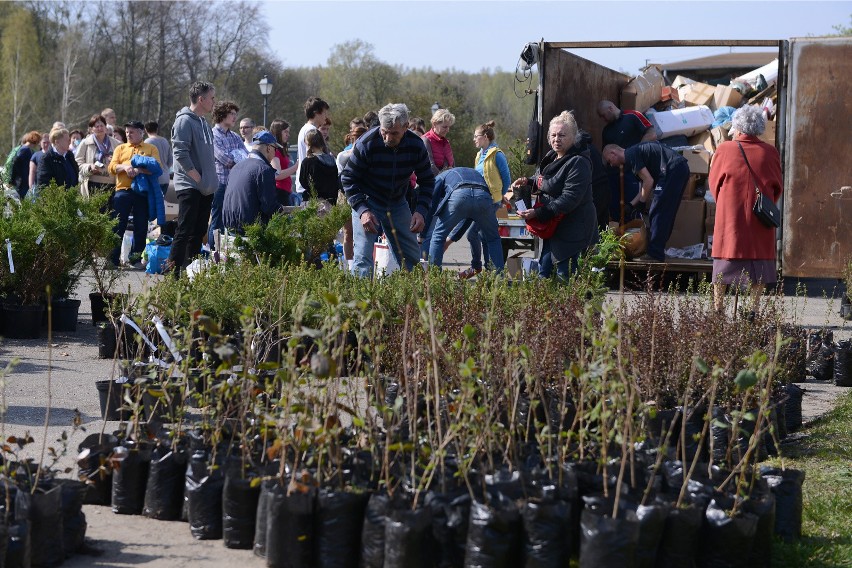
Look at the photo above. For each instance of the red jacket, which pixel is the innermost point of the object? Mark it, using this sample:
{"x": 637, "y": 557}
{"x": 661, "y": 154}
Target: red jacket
{"x": 440, "y": 153}
{"x": 738, "y": 233}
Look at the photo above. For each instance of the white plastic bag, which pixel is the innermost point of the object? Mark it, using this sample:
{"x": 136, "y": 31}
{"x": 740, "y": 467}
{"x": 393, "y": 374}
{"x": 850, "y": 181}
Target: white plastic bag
{"x": 384, "y": 262}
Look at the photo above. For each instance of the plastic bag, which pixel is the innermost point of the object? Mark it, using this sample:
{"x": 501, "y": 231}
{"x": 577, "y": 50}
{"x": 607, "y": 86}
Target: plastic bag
{"x": 606, "y": 542}
{"x": 726, "y": 541}
{"x": 680, "y": 537}
{"x": 821, "y": 355}
{"x": 261, "y": 520}
{"x": 762, "y": 507}
{"x": 73, "y": 519}
{"x": 203, "y": 495}
{"x": 339, "y": 521}
{"x": 786, "y": 486}
{"x": 407, "y": 539}
{"x": 93, "y": 468}
{"x": 373, "y": 531}
{"x": 129, "y": 478}
{"x": 46, "y": 528}
{"x": 652, "y": 523}
{"x": 793, "y": 404}
{"x": 157, "y": 256}
{"x": 164, "y": 490}
{"x": 449, "y": 526}
{"x": 547, "y": 530}
{"x": 290, "y": 528}
{"x": 843, "y": 364}
{"x": 239, "y": 512}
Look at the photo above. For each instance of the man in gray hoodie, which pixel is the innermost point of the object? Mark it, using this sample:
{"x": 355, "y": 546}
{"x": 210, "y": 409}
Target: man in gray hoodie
{"x": 195, "y": 173}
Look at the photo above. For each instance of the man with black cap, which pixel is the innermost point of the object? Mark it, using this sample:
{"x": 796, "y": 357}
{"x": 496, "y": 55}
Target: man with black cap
{"x": 125, "y": 199}
{"x": 250, "y": 194}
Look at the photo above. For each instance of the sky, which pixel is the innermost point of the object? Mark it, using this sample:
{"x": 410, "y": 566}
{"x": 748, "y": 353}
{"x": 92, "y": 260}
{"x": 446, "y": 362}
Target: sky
{"x": 476, "y": 35}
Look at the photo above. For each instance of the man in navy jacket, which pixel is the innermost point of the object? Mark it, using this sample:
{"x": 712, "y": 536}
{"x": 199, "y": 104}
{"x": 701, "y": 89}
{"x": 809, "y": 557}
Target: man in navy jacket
{"x": 376, "y": 181}
{"x": 250, "y": 193}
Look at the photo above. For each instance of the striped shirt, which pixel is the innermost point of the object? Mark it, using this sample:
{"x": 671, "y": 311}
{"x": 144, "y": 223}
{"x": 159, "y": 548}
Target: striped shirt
{"x": 225, "y": 143}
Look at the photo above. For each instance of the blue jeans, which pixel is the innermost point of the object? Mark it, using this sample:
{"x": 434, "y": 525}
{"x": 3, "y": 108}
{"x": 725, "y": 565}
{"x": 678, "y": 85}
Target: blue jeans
{"x": 395, "y": 220}
{"x": 216, "y": 214}
{"x": 467, "y": 203}
{"x": 478, "y": 251}
{"x": 123, "y": 202}
{"x": 563, "y": 269}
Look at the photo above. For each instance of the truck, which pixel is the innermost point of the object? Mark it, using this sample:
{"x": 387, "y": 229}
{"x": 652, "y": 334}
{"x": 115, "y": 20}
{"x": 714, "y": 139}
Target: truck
{"x": 813, "y": 135}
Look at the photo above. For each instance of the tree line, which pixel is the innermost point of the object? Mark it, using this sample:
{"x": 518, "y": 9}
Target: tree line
{"x": 64, "y": 60}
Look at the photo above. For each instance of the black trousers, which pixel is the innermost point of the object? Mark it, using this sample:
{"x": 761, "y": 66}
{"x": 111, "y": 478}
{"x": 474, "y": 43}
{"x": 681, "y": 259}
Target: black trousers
{"x": 192, "y": 221}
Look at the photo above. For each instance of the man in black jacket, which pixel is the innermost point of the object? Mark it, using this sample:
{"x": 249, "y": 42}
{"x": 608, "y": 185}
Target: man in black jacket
{"x": 55, "y": 164}
{"x": 250, "y": 194}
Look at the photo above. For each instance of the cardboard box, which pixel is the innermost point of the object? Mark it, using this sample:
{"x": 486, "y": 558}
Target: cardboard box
{"x": 515, "y": 266}
{"x": 681, "y": 81}
{"x": 643, "y": 91}
{"x": 669, "y": 94}
{"x": 709, "y": 218}
{"x": 688, "y": 121}
{"x": 727, "y": 96}
{"x": 703, "y": 139}
{"x": 502, "y": 213}
{"x": 698, "y": 94}
{"x": 688, "y": 227}
{"x": 699, "y": 161}
{"x": 691, "y": 184}
{"x": 720, "y": 134}
{"x": 768, "y": 135}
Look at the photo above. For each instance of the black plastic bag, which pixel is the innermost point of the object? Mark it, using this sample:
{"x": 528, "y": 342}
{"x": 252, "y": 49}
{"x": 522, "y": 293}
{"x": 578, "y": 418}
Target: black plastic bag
{"x": 46, "y": 526}
{"x": 239, "y": 511}
{"x": 73, "y": 519}
{"x": 762, "y": 507}
{"x": 652, "y": 524}
{"x": 726, "y": 541}
{"x": 164, "y": 490}
{"x": 720, "y": 431}
{"x": 339, "y": 521}
{"x": 260, "y": 520}
{"x": 793, "y": 404}
{"x": 290, "y": 528}
{"x": 19, "y": 547}
{"x": 408, "y": 539}
{"x": 4, "y": 541}
{"x": 843, "y": 364}
{"x": 606, "y": 542}
{"x": 547, "y": 533}
{"x": 494, "y": 535}
{"x": 786, "y": 486}
{"x": 449, "y": 526}
{"x": 203, "y": 494}
{"x": 821, "y": 366}
{"x": 373, "y": 531}
{"x": 680, "y": 537}
{"x": 130, "y": 463}
{"x": 94, "y": 469}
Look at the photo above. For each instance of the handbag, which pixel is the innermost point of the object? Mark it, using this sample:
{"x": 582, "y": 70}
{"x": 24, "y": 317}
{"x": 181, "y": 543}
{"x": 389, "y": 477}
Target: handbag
{"x": 764, "y": 208}
{"x": 544, "y": 229}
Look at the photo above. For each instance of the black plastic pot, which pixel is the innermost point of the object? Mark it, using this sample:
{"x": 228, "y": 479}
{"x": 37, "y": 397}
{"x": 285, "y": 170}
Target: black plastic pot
{"x": 786, "y": 486}
{"x": 100, "y": 303}
{"x": 164, "y": 490}
{"x": 73, "y": 519}
{"x": 110, "y": 394}
{"x": 726, "y": 540}
{"x": 64, "y": 313}
{"x": 162, "y": 403}
{"x": 450, "y": 514}
{"x": 22, "y": 322}
{"x": 239, "y": 512}
{"x": 131, "y": 462}
{"x": 107, "y": 342}
{"x": 407, "y": 539}
{"x": 793, "y": 407}
{"x": 290, "y": 528}
{"x": 843, "y": 364}
{"x": 46, "y": 543}
{"x": 606, "y": 542}
{"x": 373, "y": 532}
{"x": 547, "y": 533}
{"x": 203, "y": 492}
{"x": 339, "y": 521}
{"x": 94, "y": 468}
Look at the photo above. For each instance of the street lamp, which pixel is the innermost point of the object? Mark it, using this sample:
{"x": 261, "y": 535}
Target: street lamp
{"x": 265, "y": 90}
{"x": 435, "y": 107}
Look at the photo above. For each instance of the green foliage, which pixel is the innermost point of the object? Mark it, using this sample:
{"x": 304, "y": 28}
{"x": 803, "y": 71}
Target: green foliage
{"x": 515, "y": 154}
{"x": 52, "y": 237}
{"x": 291, "y": 238}
{"x": 842, "y": 30}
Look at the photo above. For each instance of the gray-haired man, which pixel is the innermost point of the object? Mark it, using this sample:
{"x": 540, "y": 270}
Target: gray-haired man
{"x": 376, "y": 181}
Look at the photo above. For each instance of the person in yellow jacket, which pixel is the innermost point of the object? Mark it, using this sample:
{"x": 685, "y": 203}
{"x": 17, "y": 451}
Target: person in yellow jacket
{"x": 492, "y": 164}
{"x": 125, "y": 200}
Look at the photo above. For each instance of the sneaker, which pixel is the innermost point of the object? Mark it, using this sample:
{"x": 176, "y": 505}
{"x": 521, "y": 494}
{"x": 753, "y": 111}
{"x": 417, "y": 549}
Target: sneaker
{"x": 469, "y": 273}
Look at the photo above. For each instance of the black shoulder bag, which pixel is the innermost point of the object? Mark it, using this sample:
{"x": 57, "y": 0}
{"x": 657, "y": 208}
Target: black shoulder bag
{"x": 764, "y": 208}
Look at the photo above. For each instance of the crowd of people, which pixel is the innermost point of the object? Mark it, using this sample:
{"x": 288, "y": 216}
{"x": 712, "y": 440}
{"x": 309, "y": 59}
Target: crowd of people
{"x": 401, "y": 181}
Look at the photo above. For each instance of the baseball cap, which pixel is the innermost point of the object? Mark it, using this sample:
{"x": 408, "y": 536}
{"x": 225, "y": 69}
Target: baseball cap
{"x": 266, "y": 137}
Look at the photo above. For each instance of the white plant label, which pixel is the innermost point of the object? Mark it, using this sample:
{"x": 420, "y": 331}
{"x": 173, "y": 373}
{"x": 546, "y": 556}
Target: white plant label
{"x": 9, "y": 252}
{"x": 39, "y": 239}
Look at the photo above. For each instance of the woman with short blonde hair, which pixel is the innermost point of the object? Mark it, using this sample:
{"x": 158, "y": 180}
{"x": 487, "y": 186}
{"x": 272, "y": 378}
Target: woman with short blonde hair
{"x": 438, "y": 147}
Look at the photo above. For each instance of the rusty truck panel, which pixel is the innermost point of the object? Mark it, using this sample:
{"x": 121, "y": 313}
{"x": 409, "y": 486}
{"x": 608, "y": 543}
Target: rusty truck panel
{"x": 817, "y": 238}
{"x": 573, "y": 83}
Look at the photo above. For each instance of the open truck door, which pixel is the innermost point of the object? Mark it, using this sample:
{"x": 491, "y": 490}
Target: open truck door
{"x": 817, "y": 227}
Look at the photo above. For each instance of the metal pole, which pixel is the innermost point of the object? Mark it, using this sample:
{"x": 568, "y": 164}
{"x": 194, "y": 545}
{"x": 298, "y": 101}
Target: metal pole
{"x": 265, "y": 104}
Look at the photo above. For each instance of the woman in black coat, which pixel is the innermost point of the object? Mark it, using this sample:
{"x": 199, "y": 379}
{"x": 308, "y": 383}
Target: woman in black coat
{"x": 564, "y": 186}
{"x": 55, "y": 164}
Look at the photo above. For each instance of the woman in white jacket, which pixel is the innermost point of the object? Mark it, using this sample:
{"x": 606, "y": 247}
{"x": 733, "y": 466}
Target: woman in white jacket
{"x": 93, "y": 157}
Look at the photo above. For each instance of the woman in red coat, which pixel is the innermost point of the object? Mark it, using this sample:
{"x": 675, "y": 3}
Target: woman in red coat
{"x": 743, "y": 247}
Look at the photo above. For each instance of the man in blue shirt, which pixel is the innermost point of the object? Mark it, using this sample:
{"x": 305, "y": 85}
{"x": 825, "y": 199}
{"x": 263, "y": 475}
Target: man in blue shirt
{"x": 376, "y": 181}
{"x": 465, "y": 196}
{"x": 250, "y": 194}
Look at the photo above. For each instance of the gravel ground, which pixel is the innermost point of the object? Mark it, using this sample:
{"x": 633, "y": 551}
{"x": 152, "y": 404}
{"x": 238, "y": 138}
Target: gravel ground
{"x": 69, "y": 364}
